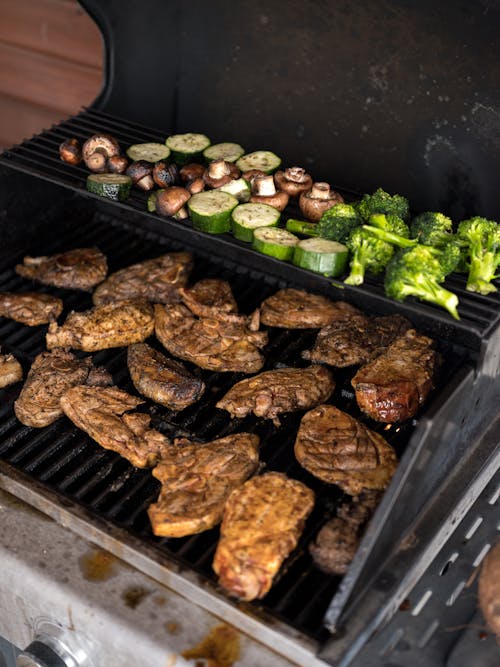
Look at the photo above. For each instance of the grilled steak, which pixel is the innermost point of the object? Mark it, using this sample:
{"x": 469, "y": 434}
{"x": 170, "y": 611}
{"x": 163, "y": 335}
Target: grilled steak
{"x": 283, "y": 390}
{"x": 209, "y": 297}
{"x": 157, "y": 280}
{"x": 30, "y": 308}
{"x": 262, "y": 523}
{"x": 339, "y": 449}
{"x": 337, "y": 542}
{"x": 101, "y": 327}
{"x": 393, "y": 386}
{"x": 209, "y": 343}
{"x": 297, "y": 309}
{"x": 163, "y": 380}
{"x": 102, "y": 413}
{"x": 356, "y": 340}
{"x": 50, "y": 375}
{"x": 82, "y": 268}
{"x": 10, "y": 370}
{"x": 196, "y": 481}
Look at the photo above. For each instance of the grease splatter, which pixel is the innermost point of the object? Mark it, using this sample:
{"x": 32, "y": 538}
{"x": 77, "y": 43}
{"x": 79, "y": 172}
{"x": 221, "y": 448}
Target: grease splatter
{"x": 221, "y": 647}
{"x": 98, "y": 565}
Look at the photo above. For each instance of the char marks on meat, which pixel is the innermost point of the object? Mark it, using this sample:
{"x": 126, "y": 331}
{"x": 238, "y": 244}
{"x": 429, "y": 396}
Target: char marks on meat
{"x": 156, "y": 280}
{"x": 197, "y": 480}
{"x": 10, "y": 370}
{"x": 82, "y": 268}
{"x": 165, "y": 381}
{"x": 209, "y": 343}
{"x": 112, "y": 325}
{"x": 274, "y": 392}
{"x": 263, "y": 520}
{"x": 392, "y": 387}
{"x": 103, "y": 413}
{"x": 50, "y": 376}
{"x": 356, "y": 340}
{"x": 296, "y": 309}
{"x": 30, "y": 308}
{"x": 339, "y": 449}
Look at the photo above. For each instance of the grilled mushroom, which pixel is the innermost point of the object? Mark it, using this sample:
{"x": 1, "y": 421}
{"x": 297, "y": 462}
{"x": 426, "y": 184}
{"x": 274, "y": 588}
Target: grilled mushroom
{"x": 191, "y": 171}
{"x": 196, "y": 185}
{"x": 165, "y": 175}
{"x": 220, "y": 172}
{"x": 293, "y": 181}
{"x": 252, "y": 173}
{"x": 170, "y": 202}
{"x": 264, "y": 192}
{"x": 70, "y": 151}
{"x": 140, "y": 172}
{"x": 117, "y": 164}
{"x": 317, "y": 200}
{"x": 105, "y": 146}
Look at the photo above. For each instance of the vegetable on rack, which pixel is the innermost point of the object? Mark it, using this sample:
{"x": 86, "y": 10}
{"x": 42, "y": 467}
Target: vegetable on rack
{"x": 480, "y": 239}
{"x": 149, "y": 151}
{"x": 117, "y": 164}
{"x": 228, "y": 151}
{"x": 110, "y": 186}
{"x": 239, "y": 188}
{"x": 314, "y": 202}
{"x": 246, "y": 218}
{"x": 141, "y": 173}
{"x": 98, "y": 149}
{"x": 70, "y": 151}
{"x": 187, "y": 147}
{"x": 391, "y": 229}
{"x": 210, "y": 211}
{"x": 165, "y": 174}
{"x": 382, "y": 202}
{"x": 170, "y": 202}
{"x": 264, "y": 192}
{"x": 220, "y": 172}
{"x": 321, "y": 256}
{"x": 275, "y": 242}
{"x": 293, "y": 181}
{"x": 368, "y": 253}
{"x": 265, "y": 161}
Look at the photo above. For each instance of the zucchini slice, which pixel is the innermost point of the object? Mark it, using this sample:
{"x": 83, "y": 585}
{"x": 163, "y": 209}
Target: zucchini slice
{"x": 187, "y": 147}
{"x": 275, "y": 242}
{"x": 210, "y": 211}
{"x": 321, "y": 256}
{"x": 239, "y": 188}
{"x": 111, "y": 186}
{"x": 226, "y": 151}
{"x": 246, "y": 218}
{"x": 266, "y": 161}
{"x": 151, "y": 152}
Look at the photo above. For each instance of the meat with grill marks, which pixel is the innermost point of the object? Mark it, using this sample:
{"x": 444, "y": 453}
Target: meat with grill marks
{"x": 165, "y": 381}
{"x": 10, "y": 370}
{"x": 81, "y": 268}
{"x": 283, "y": 390}
{"x": 104, "y": 414}
{"x": 50, "y": 376}
{"x": 197, "y": 480}
{"x": 392, "y": 387}
{"x": 339, "y": 449}
{"x": 212, "y": 344}
{"x": 262, "y": 523}
{"x": 213, "y": 298}
{"x": 298, "y": 309}
{"x": 156, "y": 280}
{"x": 30, "y": 308}
{"x": 112, "y": 325}
{"x": 356, "y": 340}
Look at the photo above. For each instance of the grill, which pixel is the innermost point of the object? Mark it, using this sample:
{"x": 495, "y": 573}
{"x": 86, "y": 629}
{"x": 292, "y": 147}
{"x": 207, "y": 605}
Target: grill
{"x": 96, "y": 492}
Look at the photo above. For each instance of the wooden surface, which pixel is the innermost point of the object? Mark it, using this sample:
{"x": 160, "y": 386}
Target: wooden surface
{"x": 51, "y": 56}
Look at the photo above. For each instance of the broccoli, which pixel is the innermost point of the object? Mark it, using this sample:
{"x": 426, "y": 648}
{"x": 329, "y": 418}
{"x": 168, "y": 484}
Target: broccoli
{"x": 390, "y": 228}
{"x": 382, "y": 202}
{"x": 431, "y": 228}
{"x": 335, "y": 224}
{"x": 481, "y": 242}
{"x": 368, "y": 253}
{"x": 418, "y": 272}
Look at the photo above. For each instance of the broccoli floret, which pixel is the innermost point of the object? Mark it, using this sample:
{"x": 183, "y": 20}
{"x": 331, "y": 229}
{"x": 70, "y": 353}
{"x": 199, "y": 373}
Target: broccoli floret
{"x": 449, "y": 255}
{"x": 368, "y": 253}
{"x": 481, "y": 242}
{"x": 382, "y": 202}
{"x": 337, "y": 222}
{"x": 418, "y": 272}
{"x": 390, "y": 228}
{"x": 432, "y": 228}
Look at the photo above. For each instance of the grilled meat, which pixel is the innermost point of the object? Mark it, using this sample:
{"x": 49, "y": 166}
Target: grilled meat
{"x": 82, "y": 268}
{"x": 102, "y": 412}
{"x": 10, "y": 370}
{"x": 209, "y": 343}
{"x": 392, "y": 387}
{"x": 339, "y": 449}
{"x": 337, "y": 542}
{"x": 297, "y": 309}
{"x": 209, "y": 297}
{"x": 102, "y": 327}
{"x": 283, "y": 390}
{"x": 157, "y": 280}
{"x": 30, "y": 308}
{"x": 263, "y": 520}
{"x": 50, "y": 375}
{"x": 163, "y": 380}
{"x": 356, "y": 340}
{"x": 196, "y": 481}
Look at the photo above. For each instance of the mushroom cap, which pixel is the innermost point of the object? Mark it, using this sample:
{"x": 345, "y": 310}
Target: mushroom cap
{"x": 278, "y": 201}
{"x": 102, "y": 142}
{"x": 293, "y": 181}
{"x": 220, "y": 172}
{"x": 190, "y": 171}
{"x": 117, "y": 164}
{"x": 97, "y": 162}
{"x": 165, "y": 175}
{"x": 70, "y": 151}
{"x": 313, "y": 207}
{"x": 170, "y": 200}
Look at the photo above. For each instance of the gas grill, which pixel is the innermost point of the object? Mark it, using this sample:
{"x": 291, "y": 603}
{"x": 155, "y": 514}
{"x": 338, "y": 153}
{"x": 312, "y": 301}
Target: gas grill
{"x": 448, "y": 455}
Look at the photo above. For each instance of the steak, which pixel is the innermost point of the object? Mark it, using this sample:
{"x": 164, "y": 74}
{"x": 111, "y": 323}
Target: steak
{"x": 339, "y": 449}
{"x": 274, "y": 392}
{"x": 165, "y": 381}
{"x": 102, "y": 412}
{"x": 51, "y": 374}
{"x": 82, "y": 268}
{"x": 196, "y": 481}
{"x": 102, "y": 327}
{"x": 30, "y": 308}
{"x": 209, "y": 343}
{"x": 356, "y": 340}
{"x": 392, "y": 387}
{"x": 262, "y": 522}
{"x": 157, "y": 280}
{"x": 296, "y": 309}
{"x": 10, "y": 370}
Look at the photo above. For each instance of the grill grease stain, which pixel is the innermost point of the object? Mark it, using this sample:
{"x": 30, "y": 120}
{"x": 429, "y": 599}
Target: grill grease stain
{"x": 98, "y": 565}
{"x": 134, "y": 595}
{"x": 221, "y": 647}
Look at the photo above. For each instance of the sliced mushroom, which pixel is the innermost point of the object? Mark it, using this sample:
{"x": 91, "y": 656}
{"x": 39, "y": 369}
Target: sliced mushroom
{"x": 293, "y": 181}
{"x": 103, "y": 144}
{"x": 170, "y": 201}
{"x": 317, "y": 200}
{"x": 140, "y": 172}
{"x": 70, "y": 151}
{"x": 264, "y": 192}
{"x": 191, "y": 171}
{"x": 220, "y": 172}
{"x": 165, "y": 175}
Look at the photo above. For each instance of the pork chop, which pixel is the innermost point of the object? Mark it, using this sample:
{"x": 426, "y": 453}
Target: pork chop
{"x": 10, "y": 370}
{"x": 30, "y": 308}
{"x": 81, "y": 268}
